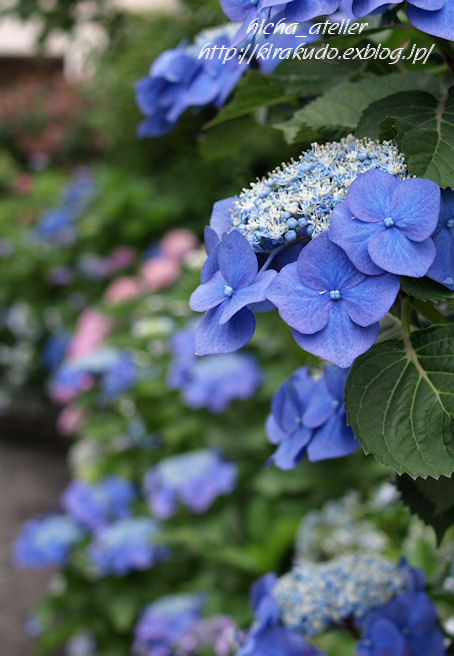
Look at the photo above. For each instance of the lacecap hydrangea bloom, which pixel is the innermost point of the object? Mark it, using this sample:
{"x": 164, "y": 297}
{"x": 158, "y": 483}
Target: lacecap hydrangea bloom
{"x": 339, "y": 526}
{"x": 253, "y": 243}
{"x": 126, "y": 545}
{"x": 315, "y": 596}
{"x": 267, "y": 636}
{"x": 95, "y": 505}
{"x": 46, "y": 541}
{"x": 434, "y": 17}
{"x": 211, "y": 381}
{"x": 195, "y": 479}
{"x": 165, "y": 622}
{"x": 308, "y": 418}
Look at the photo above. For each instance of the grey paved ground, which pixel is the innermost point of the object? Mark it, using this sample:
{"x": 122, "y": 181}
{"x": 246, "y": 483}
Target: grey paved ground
{"x": 31, "y": 479}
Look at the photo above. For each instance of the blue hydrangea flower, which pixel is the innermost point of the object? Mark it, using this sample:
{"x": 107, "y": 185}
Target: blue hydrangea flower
{"x": 126, "y": 545}
{"x": 211, "y": 381}
{"x": 178, "y": 79}
{"x": 284, "y": 425}
{"x": 164, "y": 622}
{"x": 434, "y": 17}
{"x": 386, "y": 224}
{"x": 405, "y": 626}
{"x": 196, "y": 479}
{"x": 46, "y": 541}
{"x": 54, "y": 350}
{"x": 294, "y": 202}
{"x": 58, "y": 224}
{"x": 229, "y": 324}
{"x": 119, "y": 376}
{"x": 96, "y": 504}
{"x": 332, "y": 308}
{"x": 266, "y": 637}
{"x": 314, "y": 596}
{"x": 442, "y": 269}
{"x": 326, "y": 415}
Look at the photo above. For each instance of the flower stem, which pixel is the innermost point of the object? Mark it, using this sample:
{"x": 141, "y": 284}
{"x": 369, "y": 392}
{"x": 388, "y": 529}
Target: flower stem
{"x": 445, "y": 50}
{"x": 271, "y": 257}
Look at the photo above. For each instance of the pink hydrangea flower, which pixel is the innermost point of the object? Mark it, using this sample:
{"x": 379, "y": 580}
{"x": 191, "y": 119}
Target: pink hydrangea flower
{"x": 178, "y": 243}
{"x": 122, "y": 289}
{"x": 70, "y": 420}
{"x": 160, "y": 272}
{"x": 121, "y": 257}
{"x": 92, "y": 328}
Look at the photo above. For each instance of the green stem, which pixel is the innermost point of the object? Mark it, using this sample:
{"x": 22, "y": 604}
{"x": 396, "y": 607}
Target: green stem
{"x": 445, "y": 50}
{"x": 405, "y": 318}
{"x": 429, "y": 312}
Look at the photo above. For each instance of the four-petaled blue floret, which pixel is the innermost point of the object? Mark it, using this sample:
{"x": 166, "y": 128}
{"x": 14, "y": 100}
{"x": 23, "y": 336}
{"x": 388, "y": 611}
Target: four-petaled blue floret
{"x": 332, "y": 308}
{"x": 386, "y": 224}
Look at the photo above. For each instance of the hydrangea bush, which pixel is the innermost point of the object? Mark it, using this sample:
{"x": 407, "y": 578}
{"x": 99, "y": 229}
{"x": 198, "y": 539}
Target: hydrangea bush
{"x": 200, "y": 470}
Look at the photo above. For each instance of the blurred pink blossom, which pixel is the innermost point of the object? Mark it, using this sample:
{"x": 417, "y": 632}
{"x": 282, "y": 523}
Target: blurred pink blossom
{"x": 160, "y": 272}
{"x": 122, "y": 289}
{"x": 121, "y": 257}
{"x": 178, "y": 243}
{"x": 70, "y": 419}
{"x": 91, "y": 330}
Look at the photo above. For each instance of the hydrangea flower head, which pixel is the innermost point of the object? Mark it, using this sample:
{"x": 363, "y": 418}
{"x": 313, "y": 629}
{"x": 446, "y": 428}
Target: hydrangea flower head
{"x": 339, "y": 526}
{"x": 119, "y": 376}
{"x": 164, "y": 622}
{"x": 314, "y": 596}
{"x": 229, "y": 324}
{"x": 178, "y": 79}
{"x": 97, "y": 504}
{"x": 217, "y": 633}
{"x": 126, "y": 545}
{"x": 196, "y": 479}
{"x": 434, "y": 17}
{"x": 386, "y": 224}
{"x": 332, "y": 308}
{"x": 295, "y": 201}
{"x": 442, "y": 269}
{"x": 406, "y": 625}
{"x": 46, "y": 541}
{"x": 211, "y": 381}
{"x": 266, "y": 636}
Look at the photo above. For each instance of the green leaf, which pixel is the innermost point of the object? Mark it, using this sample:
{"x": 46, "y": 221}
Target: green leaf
{"x": 399, "y": 399}
{"x": 423, "y": 127}
{"x": 426, "y": 289}
{"x": 432, "y": 501}
{"x": 343, "y": 104}
{"x": 292, "y": 80}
